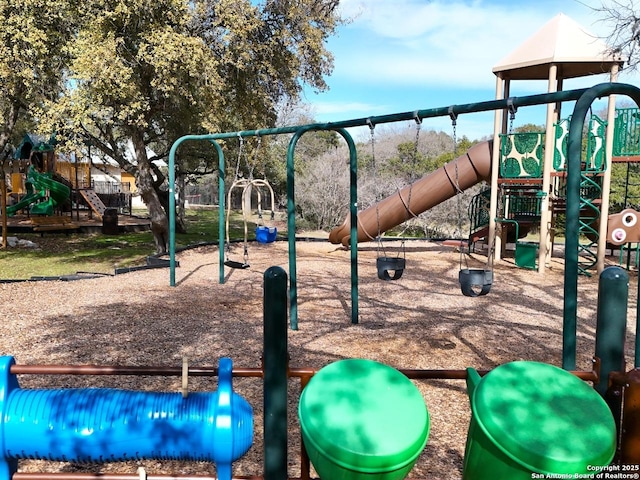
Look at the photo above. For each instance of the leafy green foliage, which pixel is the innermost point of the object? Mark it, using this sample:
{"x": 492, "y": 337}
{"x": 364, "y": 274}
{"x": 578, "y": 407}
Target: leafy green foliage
{"x": 33, "y": 38}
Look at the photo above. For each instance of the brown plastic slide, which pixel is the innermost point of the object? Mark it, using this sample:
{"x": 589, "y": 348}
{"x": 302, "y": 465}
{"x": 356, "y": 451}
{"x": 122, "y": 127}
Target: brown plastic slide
{"x": 440, "y": 185}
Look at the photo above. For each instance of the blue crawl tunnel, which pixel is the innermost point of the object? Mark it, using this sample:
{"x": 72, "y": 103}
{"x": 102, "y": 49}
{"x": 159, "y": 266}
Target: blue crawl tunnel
{"x": 110, "y": 425}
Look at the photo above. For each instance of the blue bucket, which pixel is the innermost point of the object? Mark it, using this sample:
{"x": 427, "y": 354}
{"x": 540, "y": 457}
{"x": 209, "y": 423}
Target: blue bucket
{"x": 266, "y": 234}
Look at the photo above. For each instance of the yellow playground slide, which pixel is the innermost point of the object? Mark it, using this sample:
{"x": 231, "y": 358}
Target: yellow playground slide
{"x": 472, "y": 167}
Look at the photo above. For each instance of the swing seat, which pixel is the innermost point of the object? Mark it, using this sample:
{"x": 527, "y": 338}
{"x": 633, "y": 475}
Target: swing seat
{"x": 390, "y": 264}
{"x": 474, "y": 282}
{"x": 266, "y": 234}
{"x": 234, "y": 264}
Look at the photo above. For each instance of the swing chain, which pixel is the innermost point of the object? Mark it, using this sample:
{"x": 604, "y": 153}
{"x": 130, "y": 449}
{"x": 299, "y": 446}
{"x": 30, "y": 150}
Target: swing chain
{"x": 418, "y": 121}
{"x": 372, "y": 130}
{"x": 454, "y": 124}
{"x": 416, "y": 143}
{"x": 512, "y": 113}
{"x": 240, "y": 151}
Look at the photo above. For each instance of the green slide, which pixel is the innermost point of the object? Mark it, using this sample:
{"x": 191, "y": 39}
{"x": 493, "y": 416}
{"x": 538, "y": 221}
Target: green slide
{"x": 38, "y": 184}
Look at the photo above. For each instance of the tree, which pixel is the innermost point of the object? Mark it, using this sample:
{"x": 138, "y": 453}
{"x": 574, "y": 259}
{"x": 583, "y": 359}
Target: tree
{"x": 32, "y": 49}
{"x": 623, "y": 19}
{"x": 146, "y": 72}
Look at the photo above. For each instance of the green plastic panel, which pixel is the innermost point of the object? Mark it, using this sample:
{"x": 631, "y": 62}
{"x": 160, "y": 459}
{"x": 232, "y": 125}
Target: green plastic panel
{"x": 522, "y": 155}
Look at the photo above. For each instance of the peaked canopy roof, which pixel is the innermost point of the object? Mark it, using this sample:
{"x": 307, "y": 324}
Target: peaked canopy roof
{"x": 563, "y": 42}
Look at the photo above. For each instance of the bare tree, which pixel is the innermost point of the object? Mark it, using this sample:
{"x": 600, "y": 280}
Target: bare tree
{"x": 623, "y": 20}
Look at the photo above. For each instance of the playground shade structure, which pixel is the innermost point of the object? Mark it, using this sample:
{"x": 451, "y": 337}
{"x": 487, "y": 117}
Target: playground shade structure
{"x": 39, "y": 185}
{"x": 432, "y": 189}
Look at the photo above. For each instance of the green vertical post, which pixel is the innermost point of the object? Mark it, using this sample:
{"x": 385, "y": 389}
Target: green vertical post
{"x": 291, "y": 228}
{"x": 221, "y": 210}
{"x": 613, "y": 296}
{"x": 172, "y": 212}
{"x": 636, "y": 359}
{"x": 291, "y": 221}
{"x": 574, "y": 151}
{"x": 353, "y": 210}
{"x": 275, "y": 373}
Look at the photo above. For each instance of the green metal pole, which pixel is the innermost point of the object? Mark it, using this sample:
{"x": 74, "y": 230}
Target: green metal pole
{"x": 540, "y": 99}
{"x": 353, "y": 210}
{"x": 291, "y": 228}
{"x": 574, "y": 149}
{"x": 611, "y": 326}
{"x": 172, "y": 200}
{"x": 172, "y": 212}
{"x": 275, "y": 373}
{"x": 291, "y": 221}
{"x": 636, "y": 359}
{"x": 221, "y": 210}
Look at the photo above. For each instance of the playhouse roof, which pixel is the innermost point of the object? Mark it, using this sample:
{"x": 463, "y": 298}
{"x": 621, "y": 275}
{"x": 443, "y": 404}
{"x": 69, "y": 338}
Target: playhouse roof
{"x": 563, "y": 42}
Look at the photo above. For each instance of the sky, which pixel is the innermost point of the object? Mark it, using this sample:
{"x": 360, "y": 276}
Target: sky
{"x": 404, "y": 55}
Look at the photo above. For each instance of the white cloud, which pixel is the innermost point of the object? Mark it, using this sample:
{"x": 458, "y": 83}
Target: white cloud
{"x": 336, "y": 108}
{"x": 412, "y": 42}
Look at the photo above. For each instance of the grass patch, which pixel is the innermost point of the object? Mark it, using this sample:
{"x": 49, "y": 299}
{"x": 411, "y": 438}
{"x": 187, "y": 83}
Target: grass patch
{"x": 59, "y": 254}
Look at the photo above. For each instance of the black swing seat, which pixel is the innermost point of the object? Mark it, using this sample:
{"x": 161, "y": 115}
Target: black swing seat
{"x": 390, "y": 264}
{"x": 233, "y": 264}
{"x": 475, "y": 282}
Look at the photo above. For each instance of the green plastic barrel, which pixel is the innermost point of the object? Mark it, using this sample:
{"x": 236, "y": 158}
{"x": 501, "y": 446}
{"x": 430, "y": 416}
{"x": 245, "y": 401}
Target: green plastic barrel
{"x": 526, "y": 254}
{"x": 362, "y": 419}
{"x": 530, "y": 417}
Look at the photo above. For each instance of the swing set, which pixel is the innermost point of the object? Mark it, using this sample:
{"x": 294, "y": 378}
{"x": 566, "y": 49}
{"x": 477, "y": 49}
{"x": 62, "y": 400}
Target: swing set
{"x": 390, "y": 268}
{"x": 473, "y": 282}
{"x": 264, "y": 234}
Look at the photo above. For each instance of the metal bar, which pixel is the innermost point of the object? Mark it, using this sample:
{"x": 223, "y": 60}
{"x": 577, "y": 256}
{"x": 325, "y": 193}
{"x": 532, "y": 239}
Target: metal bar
{"x": 574, "y": 150}
{"x": 292, "y": 372}
{"x": 275, "y": 373}
{"x": 221, "y": 210}
{"x": 353, "y": 210}
{"x": 127, "y": 370}
{"x": 305, "y": 462}
{"x": 291, "y": 229}
{"x": 526, "y": 101}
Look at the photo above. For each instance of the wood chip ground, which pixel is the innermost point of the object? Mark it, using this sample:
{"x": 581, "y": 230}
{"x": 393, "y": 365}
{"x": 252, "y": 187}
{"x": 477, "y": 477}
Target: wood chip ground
{"x": 421, "y": 321}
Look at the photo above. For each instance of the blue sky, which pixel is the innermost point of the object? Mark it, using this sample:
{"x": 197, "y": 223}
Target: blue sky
{"x": 404, "y": 55}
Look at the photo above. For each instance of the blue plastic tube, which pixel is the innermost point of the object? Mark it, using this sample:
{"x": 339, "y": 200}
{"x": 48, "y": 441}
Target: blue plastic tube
{"x": 110, "y": 425}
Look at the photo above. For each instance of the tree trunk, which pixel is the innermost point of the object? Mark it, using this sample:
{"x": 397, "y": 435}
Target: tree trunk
{"x": 180, "y": 211}
{"x": 144, "y": 182}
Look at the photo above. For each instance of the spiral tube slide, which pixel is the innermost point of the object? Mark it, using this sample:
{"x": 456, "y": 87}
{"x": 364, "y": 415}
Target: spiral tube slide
{"x": 463, "y": 172}
{"x": 109, "y": 425}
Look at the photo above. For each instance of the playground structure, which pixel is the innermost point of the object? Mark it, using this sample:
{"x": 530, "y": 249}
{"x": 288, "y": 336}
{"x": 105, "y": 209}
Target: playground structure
{"x": 571, "y": 180}
{"x": 98, "y": 425}
{"x": 264, "y": 234}
{"x": 45, "y": 184}
{"x": 43, "y": 194}
{"x": 610, "y": 379}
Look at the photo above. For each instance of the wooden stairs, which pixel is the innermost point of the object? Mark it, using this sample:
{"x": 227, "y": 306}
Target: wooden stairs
{"x": 94, "y": 202}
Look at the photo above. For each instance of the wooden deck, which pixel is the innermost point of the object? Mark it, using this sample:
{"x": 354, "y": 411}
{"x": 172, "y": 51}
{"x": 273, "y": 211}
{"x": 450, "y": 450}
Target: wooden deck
{"x": 85, "y": 221}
